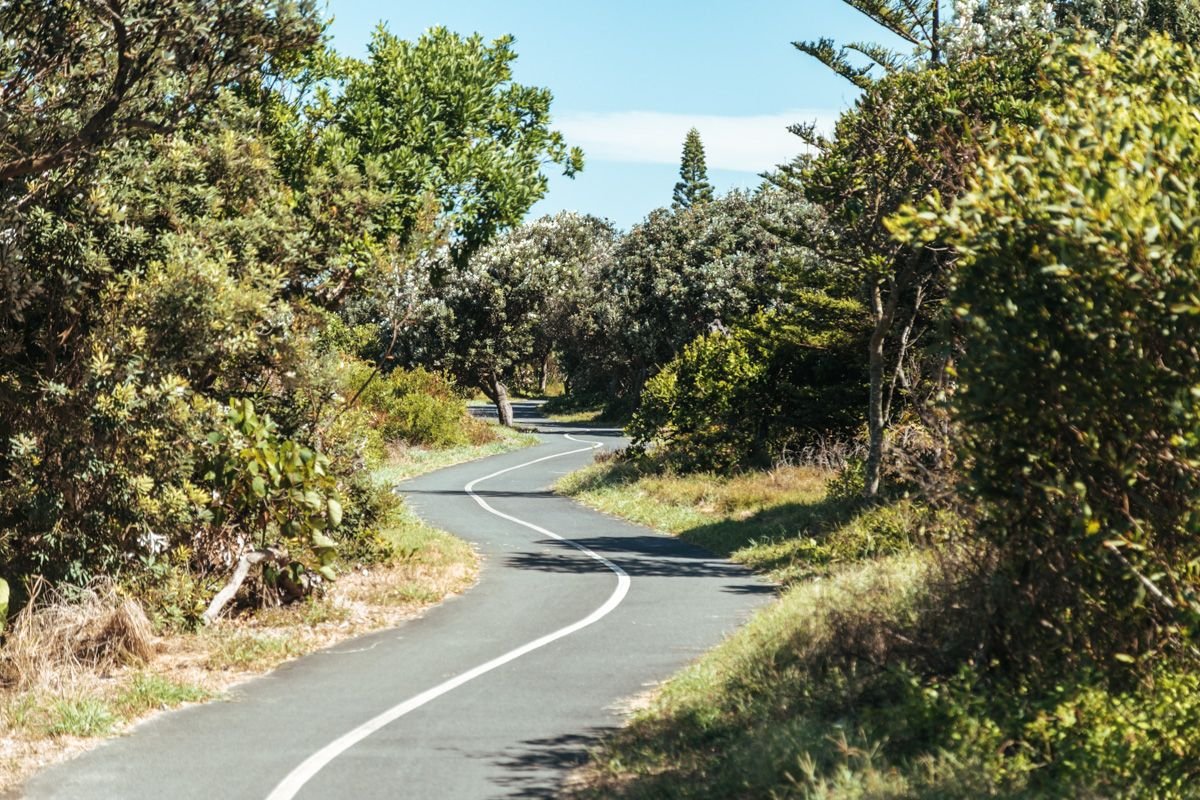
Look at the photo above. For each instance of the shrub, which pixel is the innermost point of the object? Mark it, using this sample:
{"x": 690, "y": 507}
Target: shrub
{"x": 1078, "y": 293}
{"x": 414, "y": 406}
{"x": 737, "y": 398}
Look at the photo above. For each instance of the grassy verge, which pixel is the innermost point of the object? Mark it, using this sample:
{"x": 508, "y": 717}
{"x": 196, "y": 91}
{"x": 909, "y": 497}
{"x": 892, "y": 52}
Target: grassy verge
{"x": 864, "y": 680}
{"x": 783, "y": 522}
{"x": 55, "y": 703}
{"x": 409, "y": 462}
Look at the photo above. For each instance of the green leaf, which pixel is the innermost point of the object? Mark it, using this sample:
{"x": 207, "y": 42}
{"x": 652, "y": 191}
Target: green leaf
{"x": 327, "y": 573}
{"x": 334, "y": 509}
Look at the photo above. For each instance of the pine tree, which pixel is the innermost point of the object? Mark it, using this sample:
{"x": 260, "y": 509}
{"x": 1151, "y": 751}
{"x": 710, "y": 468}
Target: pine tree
{"x": 693, "y": 187}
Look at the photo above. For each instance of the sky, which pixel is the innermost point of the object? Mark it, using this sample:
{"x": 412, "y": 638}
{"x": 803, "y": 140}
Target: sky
{"x": 630, "y": 78}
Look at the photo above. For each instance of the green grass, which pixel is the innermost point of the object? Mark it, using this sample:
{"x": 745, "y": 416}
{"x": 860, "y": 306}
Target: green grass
{"x": 84, "y": 717}
{"x": 244, "y": 650}
{"x": 413, "y": 461}
{"x": 585, "y": 411}
{"x": 781, "y": 522}
{"x": 42, "y": 713}
{"x": 146, "y": 691}
{"x": 864, "y": 679}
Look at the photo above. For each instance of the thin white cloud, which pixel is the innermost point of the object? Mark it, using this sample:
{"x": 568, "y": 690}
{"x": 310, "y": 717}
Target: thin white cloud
{"x": 746, "y": 144}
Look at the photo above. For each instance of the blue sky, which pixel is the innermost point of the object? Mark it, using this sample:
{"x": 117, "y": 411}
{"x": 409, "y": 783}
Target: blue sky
{"x": 629, "y": 78}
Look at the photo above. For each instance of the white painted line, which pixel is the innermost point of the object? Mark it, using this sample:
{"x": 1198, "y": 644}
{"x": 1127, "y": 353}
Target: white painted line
{"x": 294, "y": 782}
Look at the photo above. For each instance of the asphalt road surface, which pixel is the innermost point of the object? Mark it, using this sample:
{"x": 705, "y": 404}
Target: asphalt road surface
{"x": 497, "y": 693}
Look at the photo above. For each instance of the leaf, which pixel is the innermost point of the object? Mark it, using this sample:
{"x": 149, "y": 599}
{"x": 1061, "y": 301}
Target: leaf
{"x": 334, "y": 509}
{"x": 328, "y": 573}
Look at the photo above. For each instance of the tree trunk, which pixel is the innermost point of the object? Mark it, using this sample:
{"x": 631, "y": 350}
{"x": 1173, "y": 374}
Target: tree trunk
{"x": 885, "y": 314}
{"x": 497, "y": 392}
{"x": 544, "y": 374}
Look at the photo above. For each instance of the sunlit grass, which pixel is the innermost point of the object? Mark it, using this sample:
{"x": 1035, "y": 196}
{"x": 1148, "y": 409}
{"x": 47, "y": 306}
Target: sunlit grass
{"x": 409, "y": 462}
{"x": 781, "y": 522}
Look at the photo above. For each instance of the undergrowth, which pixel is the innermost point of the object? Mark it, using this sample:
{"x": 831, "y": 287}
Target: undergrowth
{"x": 865, "y": 679}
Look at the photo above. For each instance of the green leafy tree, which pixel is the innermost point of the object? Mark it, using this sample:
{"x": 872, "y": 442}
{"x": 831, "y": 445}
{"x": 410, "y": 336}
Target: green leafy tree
{"x": 79, "y": 76}
{"x": 693, "y": 187}
{"x": 736, "y": 398}
{"x": 675, "y": 276}
{"x": 439, "y": 122}
{"x": 505, "y": 308}
{"x": 916, "y": 22}
{"x": 909, "y": 134}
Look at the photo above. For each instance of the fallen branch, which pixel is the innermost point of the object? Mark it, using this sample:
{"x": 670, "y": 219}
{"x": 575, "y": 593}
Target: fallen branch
{"x": 245, "y": 562}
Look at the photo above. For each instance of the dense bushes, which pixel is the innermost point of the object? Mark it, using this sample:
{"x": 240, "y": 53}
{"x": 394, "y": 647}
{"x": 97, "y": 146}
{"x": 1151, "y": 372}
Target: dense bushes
{"x": 414, "y": 406}
{"x": 1078, "y": 293}
{"x": 189, "y": 277}
{"x": 739, "y": 397}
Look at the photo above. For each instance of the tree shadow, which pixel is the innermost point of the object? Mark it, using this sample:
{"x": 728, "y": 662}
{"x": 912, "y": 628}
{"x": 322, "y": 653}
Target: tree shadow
{"x": 538, "y": 767}
{"x": 639, "y": 556}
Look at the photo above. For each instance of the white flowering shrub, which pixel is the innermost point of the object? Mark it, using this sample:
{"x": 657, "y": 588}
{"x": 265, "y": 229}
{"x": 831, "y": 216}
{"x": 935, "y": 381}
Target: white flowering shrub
{"x": 996, "y": 26}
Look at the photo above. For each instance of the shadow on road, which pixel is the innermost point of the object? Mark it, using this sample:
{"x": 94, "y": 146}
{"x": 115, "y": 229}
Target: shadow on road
{"x": 528, "y": 414}
{"x": 537, "y": 769}
{"x": 546, "y": 495}
{"x": 640, "y": 556}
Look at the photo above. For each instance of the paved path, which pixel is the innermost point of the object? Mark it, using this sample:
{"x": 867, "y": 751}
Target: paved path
{"x": 497, "y": 693}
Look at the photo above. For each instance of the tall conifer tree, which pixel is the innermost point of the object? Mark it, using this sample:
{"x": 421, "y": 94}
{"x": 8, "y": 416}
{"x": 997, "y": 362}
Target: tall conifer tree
{"x": 693, "y": 187}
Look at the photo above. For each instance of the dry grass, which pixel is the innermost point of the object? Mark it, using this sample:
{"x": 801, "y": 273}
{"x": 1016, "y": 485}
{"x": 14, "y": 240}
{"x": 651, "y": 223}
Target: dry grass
{"x": 55, "y": 637}
{"x": 77, "y": 670}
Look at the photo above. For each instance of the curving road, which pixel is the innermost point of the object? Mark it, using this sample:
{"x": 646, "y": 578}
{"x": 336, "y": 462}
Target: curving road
{"x": 497, "y": 693}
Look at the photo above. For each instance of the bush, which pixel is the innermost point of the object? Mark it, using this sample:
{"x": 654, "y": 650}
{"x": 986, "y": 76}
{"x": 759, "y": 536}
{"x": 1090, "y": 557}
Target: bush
{"x": 735, "y": 399}
{"x": 1078, "y": 293}
{"x": 413, "y": 406}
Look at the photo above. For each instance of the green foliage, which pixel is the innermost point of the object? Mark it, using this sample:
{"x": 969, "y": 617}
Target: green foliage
{"x": 82, "y": 77}
{"x": 413, "y": 406}
{"x": 172, "y": 591}
{"x": 673, "y": 278}
{"x": 916, "y": 23}
{"x": 441, "y": 120}
{"x": 693, "y": 187}
{"x": 1077, "y": 295}
{"x": 1142, "y": 742}
{"x": 272, "y": 488}
{"x": 736, "y": 398}
{"x": 514, "y": 301}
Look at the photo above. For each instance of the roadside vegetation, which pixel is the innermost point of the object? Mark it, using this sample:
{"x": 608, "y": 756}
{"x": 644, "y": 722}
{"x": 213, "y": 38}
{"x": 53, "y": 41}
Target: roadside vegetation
{"x": 938, "y": 376}
{"x": 963, "y": 439}
{"x": 216, "y": 231}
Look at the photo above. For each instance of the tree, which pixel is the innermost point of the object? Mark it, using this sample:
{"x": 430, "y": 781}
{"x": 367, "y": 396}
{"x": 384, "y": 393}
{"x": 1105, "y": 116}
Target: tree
{"x": 674, "y": 276}
{"x": 916, "y": 22}
{"x": 693, "y": 187}
{"x": 77, "y": 76}
{"x": 440, "y": 121}
{"x": 504, "y": 308}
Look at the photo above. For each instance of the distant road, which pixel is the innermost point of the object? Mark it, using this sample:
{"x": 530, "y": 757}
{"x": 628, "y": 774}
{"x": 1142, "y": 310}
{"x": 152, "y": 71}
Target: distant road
{"x": 497, "y": 693}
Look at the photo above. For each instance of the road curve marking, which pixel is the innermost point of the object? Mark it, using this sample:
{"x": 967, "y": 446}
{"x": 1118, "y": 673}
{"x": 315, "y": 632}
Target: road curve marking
{"x": 297, "y": 778}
